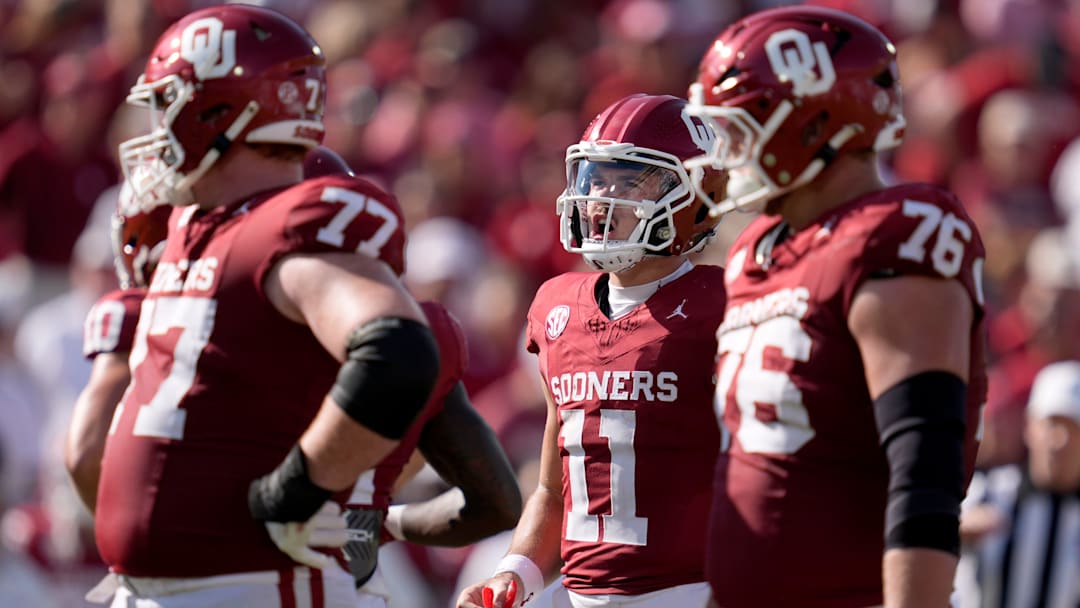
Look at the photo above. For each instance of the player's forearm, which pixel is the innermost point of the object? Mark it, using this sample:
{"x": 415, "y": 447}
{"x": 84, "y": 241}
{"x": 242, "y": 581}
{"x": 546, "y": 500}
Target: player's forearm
{"x": 84, "y": 468}
{"x": 83, "y": 451}
{"x": 463, "y": 449}
{"x": 452, "y": 520}
{"x": 338, "y": 449}
{"x": 918, "y": 578}
{"x": 90, "y": 420}
{"x": 538, "y": 533}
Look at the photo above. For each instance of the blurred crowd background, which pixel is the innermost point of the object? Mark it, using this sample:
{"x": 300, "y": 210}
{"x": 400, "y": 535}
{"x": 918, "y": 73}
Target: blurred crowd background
{"x": 464, "y": 109}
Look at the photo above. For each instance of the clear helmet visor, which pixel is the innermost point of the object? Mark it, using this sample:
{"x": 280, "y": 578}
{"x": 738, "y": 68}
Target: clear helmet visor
{"x": 612, "y": 201}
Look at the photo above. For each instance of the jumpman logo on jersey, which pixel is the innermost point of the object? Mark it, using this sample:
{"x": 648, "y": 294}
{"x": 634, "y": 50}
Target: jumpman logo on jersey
{"x": 678, "y": 310}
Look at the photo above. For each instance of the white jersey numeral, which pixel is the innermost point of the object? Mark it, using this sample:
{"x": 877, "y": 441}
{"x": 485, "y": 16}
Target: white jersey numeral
{"x": 193, "y": 319}
{"x": 948, "y": 253}
{"x": 101, "y": 334}
{"x": 622, "y": 526}
{"x": 355, "y": 204}
{"x": 743, "y": 351}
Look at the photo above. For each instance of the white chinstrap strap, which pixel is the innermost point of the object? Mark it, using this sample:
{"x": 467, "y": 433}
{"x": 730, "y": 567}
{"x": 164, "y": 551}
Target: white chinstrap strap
{"x": 531, "y": 576}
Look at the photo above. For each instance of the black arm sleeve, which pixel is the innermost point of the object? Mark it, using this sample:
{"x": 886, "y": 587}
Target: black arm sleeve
{"x": 464, "y": 450}
{"x": 921, "y": 426}
{"x": 391, "y": 368}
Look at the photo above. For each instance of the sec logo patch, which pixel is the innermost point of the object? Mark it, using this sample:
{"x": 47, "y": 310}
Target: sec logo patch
{"x": 556, "y": 321}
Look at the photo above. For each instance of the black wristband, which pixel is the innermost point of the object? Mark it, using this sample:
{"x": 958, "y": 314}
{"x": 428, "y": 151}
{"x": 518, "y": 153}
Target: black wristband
{"x": 286, "y": 493}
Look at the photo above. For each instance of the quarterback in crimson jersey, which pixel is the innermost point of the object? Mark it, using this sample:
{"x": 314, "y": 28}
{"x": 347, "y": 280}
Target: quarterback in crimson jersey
{"x": 637, "y": 437}
{"x": 626, "y": 360}
{"x": 850, "y": 371}
{"x": 277, "y": 354}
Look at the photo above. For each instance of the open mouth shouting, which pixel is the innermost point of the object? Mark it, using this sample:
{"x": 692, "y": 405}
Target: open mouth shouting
{"x": 600, "y": 225}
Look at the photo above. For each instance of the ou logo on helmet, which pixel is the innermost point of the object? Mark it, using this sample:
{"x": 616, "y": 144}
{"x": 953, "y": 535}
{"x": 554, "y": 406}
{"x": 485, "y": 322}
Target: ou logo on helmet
{"x": 807, "y": 66}
{"x": 209, "y": 48}
{"x": 700, "y": 134}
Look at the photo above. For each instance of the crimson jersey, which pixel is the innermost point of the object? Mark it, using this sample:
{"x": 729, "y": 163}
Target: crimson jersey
{"x": 223, "y": 385}
{"x": 637, "y": 436}
{"x": 373, "y": 487}
{"x": 110, "y": 324}
{"x": 798, "y": 518}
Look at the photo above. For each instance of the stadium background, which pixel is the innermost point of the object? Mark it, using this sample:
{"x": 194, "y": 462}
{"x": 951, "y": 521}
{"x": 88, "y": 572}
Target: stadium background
{"x": 464, "y": 109}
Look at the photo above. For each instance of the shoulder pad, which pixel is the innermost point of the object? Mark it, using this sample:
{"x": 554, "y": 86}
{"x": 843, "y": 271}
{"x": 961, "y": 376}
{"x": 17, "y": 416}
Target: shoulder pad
{"x": 916, "y": 230}
{"x": 344, "y": 213}
{"x": 110, "y": 324}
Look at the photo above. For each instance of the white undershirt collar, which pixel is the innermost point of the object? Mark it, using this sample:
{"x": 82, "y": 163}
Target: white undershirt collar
{"x": 622, "y": 300}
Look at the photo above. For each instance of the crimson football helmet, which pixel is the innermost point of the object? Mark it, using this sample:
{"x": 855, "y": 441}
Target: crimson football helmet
{"x": 628, "y": 169}
{"x": 138, "y": 238}
{"x": 788, "y": 89}
{"x": 322, "y": 161}
{"x": 219, "y": 75}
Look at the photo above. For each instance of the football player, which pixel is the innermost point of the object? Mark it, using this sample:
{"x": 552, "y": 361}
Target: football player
{"x": 850, "y": 370}
{"x": 277, "y": 355}
{"x": 138, "y": 240}
{"x": 449, "y": 432}
{"x": 626, "y": 359}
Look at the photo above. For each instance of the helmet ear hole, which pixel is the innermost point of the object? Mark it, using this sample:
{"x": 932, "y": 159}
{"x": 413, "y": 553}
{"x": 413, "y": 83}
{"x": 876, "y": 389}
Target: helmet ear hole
{"x": 214, "y": 113}
{"x": 702, "y": 214}
{"x": 814, "y": 129}
{"x": 260, "y": 34}
{"x": 886, "y": 79}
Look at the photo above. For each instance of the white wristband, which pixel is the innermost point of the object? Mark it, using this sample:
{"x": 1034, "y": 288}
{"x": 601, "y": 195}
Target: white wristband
{"x": 530, "y": 574}
{"x": 393, "y": 521}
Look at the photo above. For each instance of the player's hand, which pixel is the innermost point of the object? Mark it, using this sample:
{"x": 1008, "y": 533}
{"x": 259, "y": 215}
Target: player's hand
{"x": 499, "y": 591}
{"x": 327, "y": 528}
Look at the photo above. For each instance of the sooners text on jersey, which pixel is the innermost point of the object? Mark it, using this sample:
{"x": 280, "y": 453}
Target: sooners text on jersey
{"x": 223, "y": 385}
{"x": 637, "y": 437}
{"x": 798, "y": 513}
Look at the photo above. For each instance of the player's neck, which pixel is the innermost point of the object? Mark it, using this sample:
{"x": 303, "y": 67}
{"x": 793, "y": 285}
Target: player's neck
{"x": 242, "y": 174}
{"x": 650, "y": 269}
{"x": 849, "y": 177}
